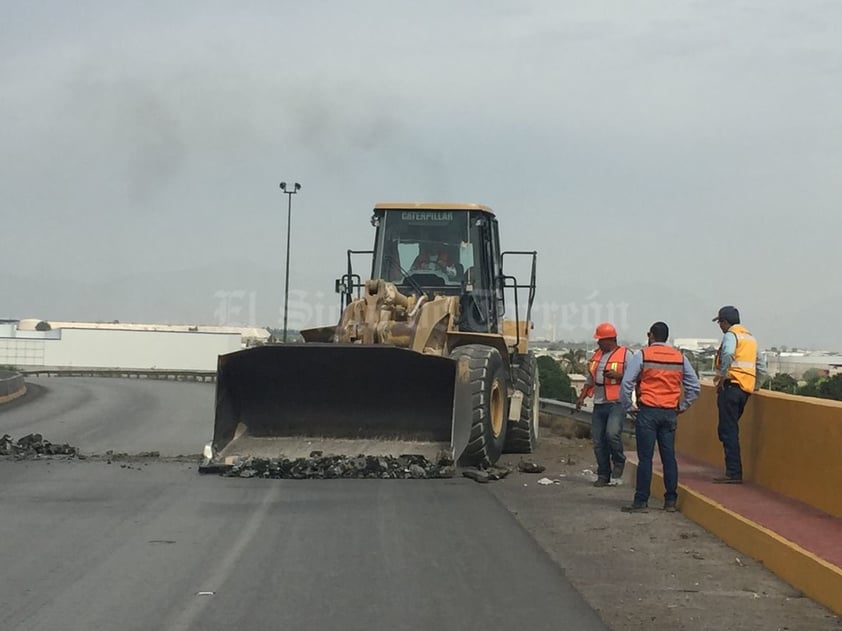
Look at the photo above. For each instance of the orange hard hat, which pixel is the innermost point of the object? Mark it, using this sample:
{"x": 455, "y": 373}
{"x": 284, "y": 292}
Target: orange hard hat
{"x": 604, "y": 330}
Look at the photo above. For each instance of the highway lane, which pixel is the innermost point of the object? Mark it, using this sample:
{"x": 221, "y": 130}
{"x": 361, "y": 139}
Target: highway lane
{"x": 123, "y": 415}
{"x": 153, "y": 545}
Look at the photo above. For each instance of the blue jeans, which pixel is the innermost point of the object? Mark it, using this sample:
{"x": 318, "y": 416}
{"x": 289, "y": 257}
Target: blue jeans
{"x": 655, "y": 424}
{"x": 731, "y": 402}
{"x": 606, "y": 432}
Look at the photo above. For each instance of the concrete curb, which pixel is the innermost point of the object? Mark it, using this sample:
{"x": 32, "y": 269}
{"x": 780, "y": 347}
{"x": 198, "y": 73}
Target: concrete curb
{"x": 11, "y": 397}
{"x": 815, "y": 577}
{"x": 12, "y": 386}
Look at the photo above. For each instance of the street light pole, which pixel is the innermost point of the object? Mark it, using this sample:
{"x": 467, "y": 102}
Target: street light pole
{"x": 289, "y": 193}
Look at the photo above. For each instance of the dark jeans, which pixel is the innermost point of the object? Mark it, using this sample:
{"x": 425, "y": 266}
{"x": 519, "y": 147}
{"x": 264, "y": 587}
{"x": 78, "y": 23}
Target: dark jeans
{"x": 731, "y": 402}
{"x": 655, "y": 424}
{"x": 607, "y": 433}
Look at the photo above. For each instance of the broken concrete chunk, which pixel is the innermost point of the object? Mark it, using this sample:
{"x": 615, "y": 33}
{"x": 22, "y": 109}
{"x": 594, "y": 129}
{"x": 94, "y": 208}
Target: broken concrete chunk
{"x": 477, "y": 475}
{"x": 498, "y": 473}
{"x": 33, "y": 446}
{"x": 405, "y": 466}
{"x": 417, "y": 472}
{"x": 530, "y": 467}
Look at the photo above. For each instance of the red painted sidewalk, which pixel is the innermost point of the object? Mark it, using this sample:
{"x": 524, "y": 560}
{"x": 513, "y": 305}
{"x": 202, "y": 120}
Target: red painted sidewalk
{"x": 800, "y": 523}
{"x": 811, "y": 529}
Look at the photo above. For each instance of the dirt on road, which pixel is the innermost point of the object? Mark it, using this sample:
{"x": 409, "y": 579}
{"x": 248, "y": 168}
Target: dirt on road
{"x": 645, "y": 571}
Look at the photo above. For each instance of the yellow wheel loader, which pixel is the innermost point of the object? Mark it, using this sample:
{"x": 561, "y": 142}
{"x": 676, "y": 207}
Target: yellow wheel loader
{"x": 421, "y": 360}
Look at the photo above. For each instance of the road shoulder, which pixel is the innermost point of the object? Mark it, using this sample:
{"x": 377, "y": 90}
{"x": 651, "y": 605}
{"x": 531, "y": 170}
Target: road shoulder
{"x": 648, "y": 570}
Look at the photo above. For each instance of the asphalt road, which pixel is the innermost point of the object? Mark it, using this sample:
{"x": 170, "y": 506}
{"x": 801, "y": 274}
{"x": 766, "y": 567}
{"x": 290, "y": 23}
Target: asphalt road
{"x": 153, "y": 545}
{"x": 122, "y": 415}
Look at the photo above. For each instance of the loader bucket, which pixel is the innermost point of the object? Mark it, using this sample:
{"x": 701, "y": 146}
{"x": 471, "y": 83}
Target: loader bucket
{"x": 293, "y": 399}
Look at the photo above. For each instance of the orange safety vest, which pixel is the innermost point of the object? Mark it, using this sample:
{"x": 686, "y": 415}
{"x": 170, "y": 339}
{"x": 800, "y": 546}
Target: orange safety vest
{"x": 661, "y": 377}
{"x": 743, "y": 368}
{"x": 615, "y": 362}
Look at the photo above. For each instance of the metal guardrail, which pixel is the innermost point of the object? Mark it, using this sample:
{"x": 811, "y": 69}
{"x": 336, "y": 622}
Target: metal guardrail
{"x": 564, "y": 409}
{"x": 176, "y": 375}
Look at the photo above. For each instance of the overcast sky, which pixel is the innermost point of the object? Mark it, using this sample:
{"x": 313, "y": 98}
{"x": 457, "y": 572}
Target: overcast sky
{"x": 671, "y": 157}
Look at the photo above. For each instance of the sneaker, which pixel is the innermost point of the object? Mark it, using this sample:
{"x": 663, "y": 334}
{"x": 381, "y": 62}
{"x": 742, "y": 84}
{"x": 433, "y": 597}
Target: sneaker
{"x": 669, "y": 506}
{"x": 617, "y": 473}
{"x": 601, "y": 482}
{"x": 727, "y": 480}
{"x": 635, "y": 507}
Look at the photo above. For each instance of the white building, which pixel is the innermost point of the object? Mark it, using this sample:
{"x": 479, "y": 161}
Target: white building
{"x": 138, "y": 347}
{"x": 250, "y": 335}
{"x": 696, "y": 344}
{"x": 796, "y": 364}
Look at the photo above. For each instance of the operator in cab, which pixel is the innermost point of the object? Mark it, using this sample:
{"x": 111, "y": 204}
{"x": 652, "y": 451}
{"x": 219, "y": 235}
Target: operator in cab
{"x": 435, "y": 257}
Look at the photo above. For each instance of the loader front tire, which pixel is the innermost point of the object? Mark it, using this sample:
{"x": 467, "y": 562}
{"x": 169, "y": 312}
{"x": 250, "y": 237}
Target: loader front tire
{"x": 522, "y": 435}
{"x": 489, "y": 404}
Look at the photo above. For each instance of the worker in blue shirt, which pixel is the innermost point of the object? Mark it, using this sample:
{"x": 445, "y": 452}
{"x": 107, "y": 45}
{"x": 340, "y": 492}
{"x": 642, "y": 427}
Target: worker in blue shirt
{"x": 738, "y": 368}
{"x": 667, "y": 385}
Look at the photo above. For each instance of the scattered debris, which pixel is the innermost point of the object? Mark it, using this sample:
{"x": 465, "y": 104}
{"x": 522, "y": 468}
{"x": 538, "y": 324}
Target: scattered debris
{"x": 34, "y": 446}
{"x": 547, "y": 482}
{"x": 477, "y": 475}
{"x": 498, "y": 473}
{"x": 525, "y": 466}
{"x": 589, "y": 475}
{"x": 319, "y": 466}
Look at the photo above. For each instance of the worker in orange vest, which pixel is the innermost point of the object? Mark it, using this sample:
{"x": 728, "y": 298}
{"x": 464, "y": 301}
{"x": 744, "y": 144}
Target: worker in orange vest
{"x": 605, "y": 372}
{"x": 737, "y": 366}
{"x": 661, "y": 373}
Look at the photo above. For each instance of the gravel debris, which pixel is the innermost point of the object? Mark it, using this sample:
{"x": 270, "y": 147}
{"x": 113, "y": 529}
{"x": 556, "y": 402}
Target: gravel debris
{"x": 322, "y": 467}
{"x": 34, "y": 446}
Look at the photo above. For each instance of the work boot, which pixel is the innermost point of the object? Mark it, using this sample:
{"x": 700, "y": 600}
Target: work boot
{"x": 601, "y": 482}
{"x": 635, "y": 507}
{"x": 617, "y": 473}
{"x": 727, "y": 480}
{"x": 669, "y": 506}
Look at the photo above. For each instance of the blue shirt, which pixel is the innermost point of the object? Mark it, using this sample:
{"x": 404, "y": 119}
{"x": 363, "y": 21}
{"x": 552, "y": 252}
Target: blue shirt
{"x": 634, "y": 366}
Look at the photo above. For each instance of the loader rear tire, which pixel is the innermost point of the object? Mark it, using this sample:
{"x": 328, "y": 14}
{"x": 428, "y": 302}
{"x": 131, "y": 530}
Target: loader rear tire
{"x": 489, "y": 404}
{"x": 522, "y": 435}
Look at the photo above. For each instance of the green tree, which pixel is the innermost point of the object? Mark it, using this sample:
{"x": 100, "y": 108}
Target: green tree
{"x": 810, "y": 389}
{"x": 782, "y": 382}
{"x": 812, "y": 375}
{"x": 573, "y": 361}
{"x": 555, "y": 384}
{"x": 831, "y": 388}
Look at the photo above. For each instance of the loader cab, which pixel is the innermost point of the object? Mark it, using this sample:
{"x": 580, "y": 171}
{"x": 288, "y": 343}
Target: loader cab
{"x": 450, "y": 249}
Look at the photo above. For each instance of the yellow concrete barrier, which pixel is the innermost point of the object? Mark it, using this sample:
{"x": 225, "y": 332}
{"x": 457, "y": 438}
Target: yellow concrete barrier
{"x": 791, "y": 445}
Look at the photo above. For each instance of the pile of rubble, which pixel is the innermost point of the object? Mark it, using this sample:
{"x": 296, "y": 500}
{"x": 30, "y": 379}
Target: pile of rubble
{"x": 33, "y": 446}
{"x": 319, "y": 466}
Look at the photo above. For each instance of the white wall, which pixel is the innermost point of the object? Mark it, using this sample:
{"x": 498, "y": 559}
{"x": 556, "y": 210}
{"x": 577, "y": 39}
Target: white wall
{"x": 97, "y": 348}
{"x": 21, "y": 352}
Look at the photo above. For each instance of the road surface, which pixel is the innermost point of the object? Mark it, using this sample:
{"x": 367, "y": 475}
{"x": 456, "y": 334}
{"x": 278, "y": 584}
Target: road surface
{"x": 122, "y": 415}
{"x": 149, "y": 544}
